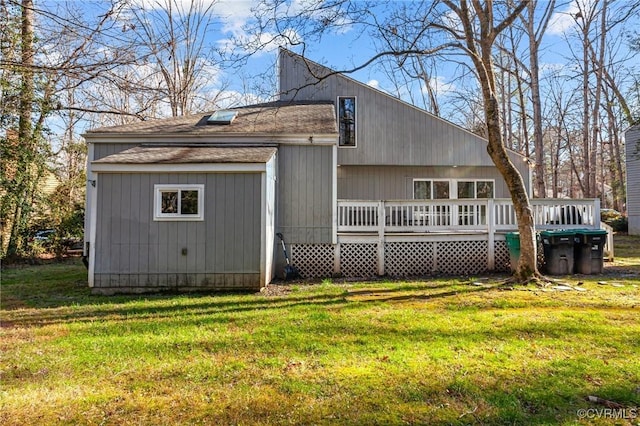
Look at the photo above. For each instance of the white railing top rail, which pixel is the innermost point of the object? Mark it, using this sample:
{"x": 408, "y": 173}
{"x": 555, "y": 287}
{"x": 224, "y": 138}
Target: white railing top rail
{"x": 462, "y": 214}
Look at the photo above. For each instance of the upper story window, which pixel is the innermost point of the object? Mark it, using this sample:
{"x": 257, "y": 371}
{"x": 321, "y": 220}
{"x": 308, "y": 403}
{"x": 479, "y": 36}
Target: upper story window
{"x": 347, "y": 121}
{"x": 178, "y": 202}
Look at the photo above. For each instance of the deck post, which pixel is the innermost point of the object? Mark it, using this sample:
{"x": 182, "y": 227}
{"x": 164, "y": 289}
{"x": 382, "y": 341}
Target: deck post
{"x": 336, "y": 257}
{"x": 381, "y": 222}
{"x": 491, "y": 237}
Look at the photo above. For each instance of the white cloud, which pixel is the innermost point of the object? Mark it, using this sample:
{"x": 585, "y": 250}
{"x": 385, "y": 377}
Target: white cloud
{"x": 260, "y": 44}
{"x": 234, "y": 14}
{"x": 451, "y": 20}
{"x": 232, "y": 98}
{"x": 564, "y": 20}
{"x": 439, "y": 86}
{"x": 374, "y": 83}
{"x": 552, "y": 68}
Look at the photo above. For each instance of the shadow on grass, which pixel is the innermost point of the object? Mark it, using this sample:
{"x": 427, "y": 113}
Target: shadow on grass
{"x": 57, "y": 307}
{"x": 44, "y": 299}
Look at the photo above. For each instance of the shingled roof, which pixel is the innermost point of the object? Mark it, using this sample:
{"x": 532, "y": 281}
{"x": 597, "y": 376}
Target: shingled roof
{"x": 281, "y": 117}
{"x": 189, "y": 155}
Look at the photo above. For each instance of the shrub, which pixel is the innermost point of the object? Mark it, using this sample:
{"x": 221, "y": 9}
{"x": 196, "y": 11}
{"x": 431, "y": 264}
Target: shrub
{"x": 614, "y": 219}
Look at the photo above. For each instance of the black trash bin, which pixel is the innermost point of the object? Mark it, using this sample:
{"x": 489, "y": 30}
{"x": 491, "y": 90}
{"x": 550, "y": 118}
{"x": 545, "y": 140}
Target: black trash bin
{"x": 588, "y": 250}
{"x": 558, "y": 251}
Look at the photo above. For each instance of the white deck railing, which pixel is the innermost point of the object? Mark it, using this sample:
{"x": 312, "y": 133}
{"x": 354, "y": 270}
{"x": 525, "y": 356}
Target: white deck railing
{"x": 489, "y": 215}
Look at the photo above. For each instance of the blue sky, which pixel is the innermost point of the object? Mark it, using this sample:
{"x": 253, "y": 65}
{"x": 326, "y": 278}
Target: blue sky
{"x": 350, "y": 47}
{"x": 346, "y": 49}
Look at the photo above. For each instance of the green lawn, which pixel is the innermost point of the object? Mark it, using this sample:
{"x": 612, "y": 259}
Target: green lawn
{"x": 437, "y": 352}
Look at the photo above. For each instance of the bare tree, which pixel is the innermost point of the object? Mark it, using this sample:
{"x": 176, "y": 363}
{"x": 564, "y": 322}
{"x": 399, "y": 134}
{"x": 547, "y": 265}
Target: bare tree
{"x": 172, "y": 36}
{"x": 33, "y": 77}
{"x": 477, "y": 34}
{"x": 22, "y": 167}
{"x": 535, "y": 36}
{"x": 594, "y": 43}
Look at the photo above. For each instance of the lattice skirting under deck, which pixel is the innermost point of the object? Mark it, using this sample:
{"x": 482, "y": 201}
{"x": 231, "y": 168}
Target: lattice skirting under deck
{"x": 358, "y": 260}
{"x": 409, "y": 259}
{"x": 502, "y": 256}
{"x": 401, "y": 259}
{"x": 461, "y": 257}
{"x": 313, "y": 260}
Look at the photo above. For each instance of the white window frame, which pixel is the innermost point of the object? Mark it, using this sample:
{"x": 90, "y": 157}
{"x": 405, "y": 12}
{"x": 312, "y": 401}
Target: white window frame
{"x": 355, "y": 123}
{"x": 475, "y": 187}
{"x": 433, "y": 181}
{"x": 413, "y": 188}
{"x": 158, "y": 189}
{"x": 453, "y": 187}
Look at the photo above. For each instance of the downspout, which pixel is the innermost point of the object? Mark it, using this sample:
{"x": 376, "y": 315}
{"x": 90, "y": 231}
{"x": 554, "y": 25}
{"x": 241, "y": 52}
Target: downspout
{"x": 88, "y": 205}
{"x": 85, "y": 257}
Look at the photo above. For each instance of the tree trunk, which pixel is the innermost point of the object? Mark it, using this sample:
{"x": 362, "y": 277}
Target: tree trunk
{"x": 527, "y": 265}
{"x": 595, "y": 130}
{"x": 619, "y": 188}
{"x": 479, "y": 43}
{"x": 534, "y": 70}
{"x": 26, "y": 146}
{"x": 555, "y": 165}
{"x": 615, "y": 160}
{"x": 587, "y": 192}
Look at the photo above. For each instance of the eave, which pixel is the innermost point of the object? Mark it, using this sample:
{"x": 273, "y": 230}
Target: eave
{"x": 226, "y": 138}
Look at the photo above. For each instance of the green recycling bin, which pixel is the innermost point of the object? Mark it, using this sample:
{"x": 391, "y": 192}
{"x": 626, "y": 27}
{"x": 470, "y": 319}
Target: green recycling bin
{"x": 513, "y": 245}
{"x": 588, "y": 250}
{"x": 558, "y": 251}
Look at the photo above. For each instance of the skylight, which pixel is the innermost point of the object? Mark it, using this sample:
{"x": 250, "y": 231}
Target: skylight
{"x": 223, "y": 116}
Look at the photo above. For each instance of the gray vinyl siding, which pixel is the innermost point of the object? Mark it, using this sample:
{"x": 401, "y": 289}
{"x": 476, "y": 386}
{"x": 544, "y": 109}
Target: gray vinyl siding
{"x": 389, "y": 131}
{"x": 632, "y": 149}
{"x": 134, "y": 251}
{"x": 396, "y": 182}
{"x": 100, "y": 150}
{"x": 304, "y": 194}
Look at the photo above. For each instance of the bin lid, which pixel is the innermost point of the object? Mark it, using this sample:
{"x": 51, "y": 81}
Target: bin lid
{"x": 558, "y": 233}
{"x": 591, "y": 232}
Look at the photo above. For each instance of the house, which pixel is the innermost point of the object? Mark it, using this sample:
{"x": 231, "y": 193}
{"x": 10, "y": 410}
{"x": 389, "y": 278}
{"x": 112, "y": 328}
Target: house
{"x": 632, "y": 155}
{"x": 194, "y": 203}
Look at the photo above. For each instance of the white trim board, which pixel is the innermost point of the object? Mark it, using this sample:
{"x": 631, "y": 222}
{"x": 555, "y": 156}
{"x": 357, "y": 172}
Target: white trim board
{"x": 218, "y": 139}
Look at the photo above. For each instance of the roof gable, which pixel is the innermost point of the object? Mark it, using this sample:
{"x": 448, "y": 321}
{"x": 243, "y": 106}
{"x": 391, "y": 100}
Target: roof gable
{"x": 389, "y": 131}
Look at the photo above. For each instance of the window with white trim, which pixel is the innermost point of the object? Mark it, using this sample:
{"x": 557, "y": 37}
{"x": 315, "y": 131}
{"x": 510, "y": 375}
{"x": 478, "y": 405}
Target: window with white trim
{"x": 434, "y": 189}
{"x": 347, "y": 121}
{"x": 430, "y": 189}
{"x": 475, "y": 189}
{"x": 178, "y": 202}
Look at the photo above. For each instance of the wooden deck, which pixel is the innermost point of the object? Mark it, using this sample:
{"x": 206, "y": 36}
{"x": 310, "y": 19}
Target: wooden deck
{"x": 466, "y": 223}
{"x": 455, "y": 216}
